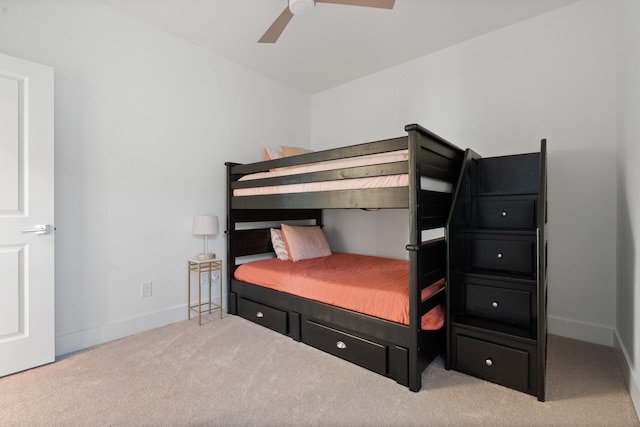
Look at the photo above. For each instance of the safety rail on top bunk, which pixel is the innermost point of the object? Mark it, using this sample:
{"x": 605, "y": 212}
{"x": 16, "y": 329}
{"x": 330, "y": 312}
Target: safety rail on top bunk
{"x": 430, "y": 156}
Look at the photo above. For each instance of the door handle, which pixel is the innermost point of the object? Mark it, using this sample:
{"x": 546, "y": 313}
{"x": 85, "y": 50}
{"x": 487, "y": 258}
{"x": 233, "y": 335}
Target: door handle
{"x": 38, "y": 229}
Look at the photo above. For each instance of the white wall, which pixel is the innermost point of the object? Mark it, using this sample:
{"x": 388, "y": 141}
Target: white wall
{"x": 143, "y": 125}
{"x": 628, "y": 289}
{"x": 144, "y": 122}
{"x": 551, "y": 77}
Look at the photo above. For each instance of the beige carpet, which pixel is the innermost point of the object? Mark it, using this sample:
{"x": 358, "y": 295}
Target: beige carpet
{"x": 232, "y": 372}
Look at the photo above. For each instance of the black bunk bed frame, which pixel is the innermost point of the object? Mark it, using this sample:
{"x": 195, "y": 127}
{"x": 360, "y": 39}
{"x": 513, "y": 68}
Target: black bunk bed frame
{"x": 391, "y": 349}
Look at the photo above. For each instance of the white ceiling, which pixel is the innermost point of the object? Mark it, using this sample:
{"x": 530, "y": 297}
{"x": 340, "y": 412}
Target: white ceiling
{"x": 336, "y": 43}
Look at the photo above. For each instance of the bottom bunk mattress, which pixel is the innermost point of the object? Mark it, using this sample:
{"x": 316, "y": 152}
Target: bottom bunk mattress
{"x": 366, "y": 284}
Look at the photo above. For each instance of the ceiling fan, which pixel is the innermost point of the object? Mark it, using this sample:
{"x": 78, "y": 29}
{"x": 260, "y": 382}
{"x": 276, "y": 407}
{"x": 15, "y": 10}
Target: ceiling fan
{"x": 305, "y": 7}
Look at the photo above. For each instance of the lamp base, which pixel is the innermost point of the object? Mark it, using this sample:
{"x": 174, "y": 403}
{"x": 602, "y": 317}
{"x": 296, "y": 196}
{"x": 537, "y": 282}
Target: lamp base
{"x": 205, "y": 256}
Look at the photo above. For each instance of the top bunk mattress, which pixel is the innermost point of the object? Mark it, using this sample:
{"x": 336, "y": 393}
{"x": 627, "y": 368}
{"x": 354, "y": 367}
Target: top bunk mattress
{"x": 384, "y": 181}
{"x": 366, "y": 284}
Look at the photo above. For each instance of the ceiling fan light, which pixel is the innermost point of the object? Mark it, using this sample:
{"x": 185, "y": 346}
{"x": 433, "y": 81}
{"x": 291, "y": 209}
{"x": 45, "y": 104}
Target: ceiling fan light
{"x": 301, "y": 7}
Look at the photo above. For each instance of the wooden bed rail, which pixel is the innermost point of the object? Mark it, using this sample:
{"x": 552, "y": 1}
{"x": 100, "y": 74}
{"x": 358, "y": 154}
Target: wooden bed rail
{"x": 375, "y": 147}
{"x": 431, "y": 256}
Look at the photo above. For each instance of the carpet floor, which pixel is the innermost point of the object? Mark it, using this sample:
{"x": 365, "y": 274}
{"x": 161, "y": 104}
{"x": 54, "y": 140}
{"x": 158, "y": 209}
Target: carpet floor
{"x": 231, "y": 372}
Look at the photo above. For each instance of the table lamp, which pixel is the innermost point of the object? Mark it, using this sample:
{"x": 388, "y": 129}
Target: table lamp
{"x": 205, "y": 225}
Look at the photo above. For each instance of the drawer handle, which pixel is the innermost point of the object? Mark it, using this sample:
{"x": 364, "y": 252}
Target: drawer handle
{"x": 494, "y": 304}
{"x": 259, "y": 314}
{"x": 488, "y": 362}
{"x": 341, "y": 345}
{"x": 504, "y": 213}
{"x": 500, "y": 256}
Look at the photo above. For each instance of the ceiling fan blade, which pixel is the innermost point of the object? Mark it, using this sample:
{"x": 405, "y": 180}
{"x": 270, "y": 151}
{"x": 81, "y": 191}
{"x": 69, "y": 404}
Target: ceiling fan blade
{"x": 382, "y": 4}
{"x": 278, "y": 26}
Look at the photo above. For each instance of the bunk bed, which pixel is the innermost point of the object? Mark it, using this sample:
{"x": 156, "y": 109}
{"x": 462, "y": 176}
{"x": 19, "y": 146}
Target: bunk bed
{"x": 423, "y": 175}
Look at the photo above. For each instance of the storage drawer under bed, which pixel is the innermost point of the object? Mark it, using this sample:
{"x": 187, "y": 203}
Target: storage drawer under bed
{"x": 264, "y": 315}
{"x": 366, "y": 353}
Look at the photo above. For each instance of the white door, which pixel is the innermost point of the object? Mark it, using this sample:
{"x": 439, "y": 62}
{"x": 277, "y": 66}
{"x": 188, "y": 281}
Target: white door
{"x": 27, "y": 332}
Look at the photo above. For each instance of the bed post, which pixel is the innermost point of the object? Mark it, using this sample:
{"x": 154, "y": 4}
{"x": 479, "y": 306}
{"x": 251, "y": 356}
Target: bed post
{"x": 231, "y": 225}
{"x": 415, "y": 374}
{"x": 433, "y": 157}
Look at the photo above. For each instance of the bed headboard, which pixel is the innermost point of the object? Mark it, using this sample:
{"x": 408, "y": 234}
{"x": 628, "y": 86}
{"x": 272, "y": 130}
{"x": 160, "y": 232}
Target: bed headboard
{"x": 248, "y": 229}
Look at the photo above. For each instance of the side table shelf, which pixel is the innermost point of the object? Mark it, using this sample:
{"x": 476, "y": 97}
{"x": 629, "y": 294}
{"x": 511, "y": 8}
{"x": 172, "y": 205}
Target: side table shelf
{"x": 207, "y": 266}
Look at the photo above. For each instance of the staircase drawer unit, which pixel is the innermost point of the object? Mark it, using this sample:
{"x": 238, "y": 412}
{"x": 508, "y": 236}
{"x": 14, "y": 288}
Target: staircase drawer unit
{"x": 497, "y": 281}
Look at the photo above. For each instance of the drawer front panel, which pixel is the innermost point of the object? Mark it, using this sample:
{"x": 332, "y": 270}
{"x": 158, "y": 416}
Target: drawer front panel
{"x": 365, "y": 353}
{"x": 503, "y": 255}
{"x": 264, "y": 315}
{"x": 499, "y": 364}
{"x": 506, "y": 214}
{"x": 500, "y": 304}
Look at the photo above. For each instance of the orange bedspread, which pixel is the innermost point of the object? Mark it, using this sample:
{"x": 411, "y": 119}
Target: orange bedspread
{"x": 371, "y": 285}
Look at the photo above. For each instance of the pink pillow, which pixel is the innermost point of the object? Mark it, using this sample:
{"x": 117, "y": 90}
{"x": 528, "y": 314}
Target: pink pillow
{"x": 305, "y": 242}
{"x": 278, "y": 245}
{"x": 294, "y": 151}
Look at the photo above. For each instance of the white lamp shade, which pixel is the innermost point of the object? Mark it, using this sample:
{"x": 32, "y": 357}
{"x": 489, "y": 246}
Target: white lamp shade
{"x": 205, "y": 225}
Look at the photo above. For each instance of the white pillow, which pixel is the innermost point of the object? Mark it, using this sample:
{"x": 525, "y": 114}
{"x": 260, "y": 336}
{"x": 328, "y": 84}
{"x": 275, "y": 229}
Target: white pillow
{"x": 272, "y": 153}
{"x": 278, "y": 245}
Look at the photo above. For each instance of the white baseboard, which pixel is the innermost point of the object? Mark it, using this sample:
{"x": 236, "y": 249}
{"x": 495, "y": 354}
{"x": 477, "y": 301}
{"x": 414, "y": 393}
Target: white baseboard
{"x": 582, "y": 331}
{"x": 628, "y": 371}
{"x": 80, "y": 340}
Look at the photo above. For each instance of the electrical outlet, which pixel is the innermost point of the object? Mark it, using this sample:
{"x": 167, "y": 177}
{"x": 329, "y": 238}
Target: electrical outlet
{"x": 204, "y": 279}
{"x": 146, "y": 290}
